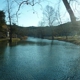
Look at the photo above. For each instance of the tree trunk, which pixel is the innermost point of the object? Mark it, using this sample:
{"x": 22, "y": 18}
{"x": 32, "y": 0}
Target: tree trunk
{"x": 52, "y": 37}
{"x": 72, "y": 17}
{"x": 9, "y": 16}
{"x": 10, "y": 33}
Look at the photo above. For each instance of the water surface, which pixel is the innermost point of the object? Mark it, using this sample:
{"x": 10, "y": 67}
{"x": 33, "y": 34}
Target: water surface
{"x": 39, "y": 59}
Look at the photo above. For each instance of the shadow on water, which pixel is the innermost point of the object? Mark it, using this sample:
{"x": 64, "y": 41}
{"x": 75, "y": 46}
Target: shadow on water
{"x": 24, "y": 43}
{"x": 40, "y": 42}
{"x": 3, "y": 46}
{"x": 31, "y": 41}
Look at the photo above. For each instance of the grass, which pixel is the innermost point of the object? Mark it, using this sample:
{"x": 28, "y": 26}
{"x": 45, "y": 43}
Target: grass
{"x": 15, "y": 39}
{"x": 4, "y": 39}
{"x": 72, "y": 39}
{"x": 7, "y": 39}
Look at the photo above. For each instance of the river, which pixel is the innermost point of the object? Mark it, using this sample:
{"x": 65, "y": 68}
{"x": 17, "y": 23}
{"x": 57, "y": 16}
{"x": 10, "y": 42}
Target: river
{"x": 39, "y": 59}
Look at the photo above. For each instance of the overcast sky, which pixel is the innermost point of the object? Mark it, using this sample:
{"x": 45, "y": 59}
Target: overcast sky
{"x": 30, "y": 16}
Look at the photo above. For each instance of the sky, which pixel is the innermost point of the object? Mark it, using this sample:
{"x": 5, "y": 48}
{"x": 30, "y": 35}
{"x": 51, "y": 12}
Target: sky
{"x": 31, "y": 16}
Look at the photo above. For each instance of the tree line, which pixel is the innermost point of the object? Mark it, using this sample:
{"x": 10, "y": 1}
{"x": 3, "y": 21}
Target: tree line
{"x": 66, "y": 29}
{"x": 50, "y": 16}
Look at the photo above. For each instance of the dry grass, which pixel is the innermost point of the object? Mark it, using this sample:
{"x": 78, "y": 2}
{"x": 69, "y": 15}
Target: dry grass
{"x": 13, "y": 39}
{"x": 4, "y": 39}
{"x": 72, "y": 39}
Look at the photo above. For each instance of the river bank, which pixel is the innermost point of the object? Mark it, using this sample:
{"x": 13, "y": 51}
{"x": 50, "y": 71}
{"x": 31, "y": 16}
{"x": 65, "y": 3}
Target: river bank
{"x": 14, "y": 39}
{"x": 7, "y": 39}
{"x": 71, "y": 39}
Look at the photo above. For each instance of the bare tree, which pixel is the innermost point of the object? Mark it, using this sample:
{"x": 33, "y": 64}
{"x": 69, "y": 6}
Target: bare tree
{"x": 10, "y": 15}
{"x": 75, "y": 4}
{"x": 58, "y": 15}
{"x": 34, "y": 2}
{"x": 41, "y": 23}
{"x": 72, "y": 16}
{"x": 49, "y": 15}
{"x": 27, "y": 2}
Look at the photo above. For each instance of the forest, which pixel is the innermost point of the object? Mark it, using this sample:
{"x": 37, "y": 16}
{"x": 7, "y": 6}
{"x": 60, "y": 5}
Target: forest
{"x": 61, "y": 30}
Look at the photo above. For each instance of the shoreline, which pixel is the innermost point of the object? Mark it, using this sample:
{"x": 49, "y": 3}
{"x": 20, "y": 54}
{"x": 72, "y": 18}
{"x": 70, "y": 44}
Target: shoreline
{"x": 71, "y": 39}
{"x": 7, "y": 39}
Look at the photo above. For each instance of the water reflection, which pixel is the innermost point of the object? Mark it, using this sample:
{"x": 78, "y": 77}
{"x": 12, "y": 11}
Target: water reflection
{"x": 39, "y": 59}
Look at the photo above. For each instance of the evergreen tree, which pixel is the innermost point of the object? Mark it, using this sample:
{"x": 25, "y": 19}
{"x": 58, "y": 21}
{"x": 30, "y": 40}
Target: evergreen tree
{"x": 2, "y": 19}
